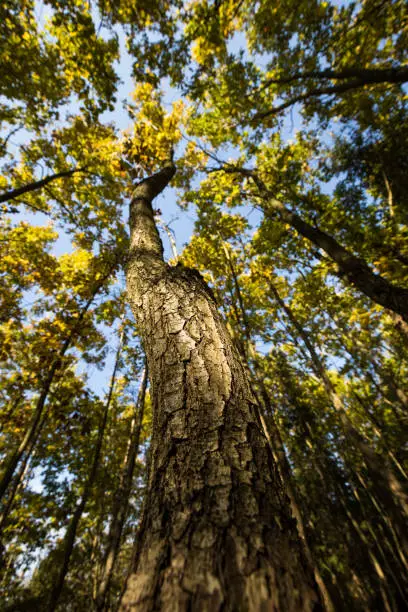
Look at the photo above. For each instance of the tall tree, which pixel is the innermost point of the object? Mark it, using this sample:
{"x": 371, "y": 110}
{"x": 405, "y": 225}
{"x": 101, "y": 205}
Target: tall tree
{"x": 300, "y": 107}
{"x": 216, "y": 531}
{"x": 121, "y": 500}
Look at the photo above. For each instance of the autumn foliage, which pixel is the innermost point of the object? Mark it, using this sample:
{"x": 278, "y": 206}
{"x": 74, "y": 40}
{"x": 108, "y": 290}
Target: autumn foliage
{"x": 288, "y": 126}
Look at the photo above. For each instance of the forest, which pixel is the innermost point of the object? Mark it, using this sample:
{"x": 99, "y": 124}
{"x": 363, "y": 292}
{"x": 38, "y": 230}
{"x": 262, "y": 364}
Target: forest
{"x": 203, "y": 305}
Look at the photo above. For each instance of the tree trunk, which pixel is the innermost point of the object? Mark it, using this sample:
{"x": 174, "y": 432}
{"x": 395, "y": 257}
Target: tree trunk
{"x": 121, "y": 501}
{"x": 55, "y": 368}
{"x": 272, "y": 431}
{"x": 19, "y": 477}
{"x": 379, "y": 540}
{"x": 285, "y": 470}
{"x": 329, "y": 470}
{"x": 388, "y": 487}
{"x": 31, "y": 433}
{"x": 71, "y": 532}
{"x": 216, "y": 533}
{"x": 354, "y": 269}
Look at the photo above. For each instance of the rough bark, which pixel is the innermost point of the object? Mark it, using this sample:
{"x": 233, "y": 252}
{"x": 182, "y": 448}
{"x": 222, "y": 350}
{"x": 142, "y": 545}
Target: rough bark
{"x": 271, "y": 429}
{"x": 216, "y": 533}
{"x": 273, "y": 434}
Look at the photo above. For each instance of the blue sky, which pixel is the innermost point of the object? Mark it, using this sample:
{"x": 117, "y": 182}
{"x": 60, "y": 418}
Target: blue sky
{"x": 180, "y": 221}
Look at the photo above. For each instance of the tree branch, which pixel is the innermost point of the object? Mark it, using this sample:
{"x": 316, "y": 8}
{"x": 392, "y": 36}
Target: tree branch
{"x": 397, "y": 74}
{"x": 150, "y": 187}
{"x": 145, "y": 241}
{"x": 14, "y": 193}
{"x": 372, "y": 77}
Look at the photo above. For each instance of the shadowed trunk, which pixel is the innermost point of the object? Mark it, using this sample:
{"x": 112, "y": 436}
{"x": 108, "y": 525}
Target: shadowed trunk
{"x": 383, "y": 582}
{"x": 70, "y": 536}
{"x": 216, "y": 533}
{"x": 384, "y": 481}
{"x": 121, "y": 501}
{"x": 353, "y": 268}
{"x": 271, "y": 429}
{"x": 281, "y": 459}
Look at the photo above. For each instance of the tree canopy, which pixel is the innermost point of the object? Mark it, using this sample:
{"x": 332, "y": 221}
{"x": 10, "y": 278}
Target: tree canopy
{"x": 287, "y": 123}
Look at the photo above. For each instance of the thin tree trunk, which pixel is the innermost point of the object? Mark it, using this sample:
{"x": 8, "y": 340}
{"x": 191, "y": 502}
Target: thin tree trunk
{"x": 287, "y": 476}
{"x": 397, "y": 395}
{"x": 379, "y": 538}
{"x": 216, "y": 533}
{"x": 33, "y": 428}
{"x": 328, "y": 470}
{"x": 382, "y": 584}
{"x": 95, "y": 556}
{"x": 324, "y": 466}
{"x": 121, "y": 502}
{"x": 398, "y": 545}
{"x": 385, "y": 482}
{"x": 70, "y": 535}
{"x": 18, "y": 480}
{"x": 377, "y": 428}
{"x": 395, "y": 543}
{"x": 386, "y": 560}
{"x": 354, "y": 269}
{"x": 31, "y": 433}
